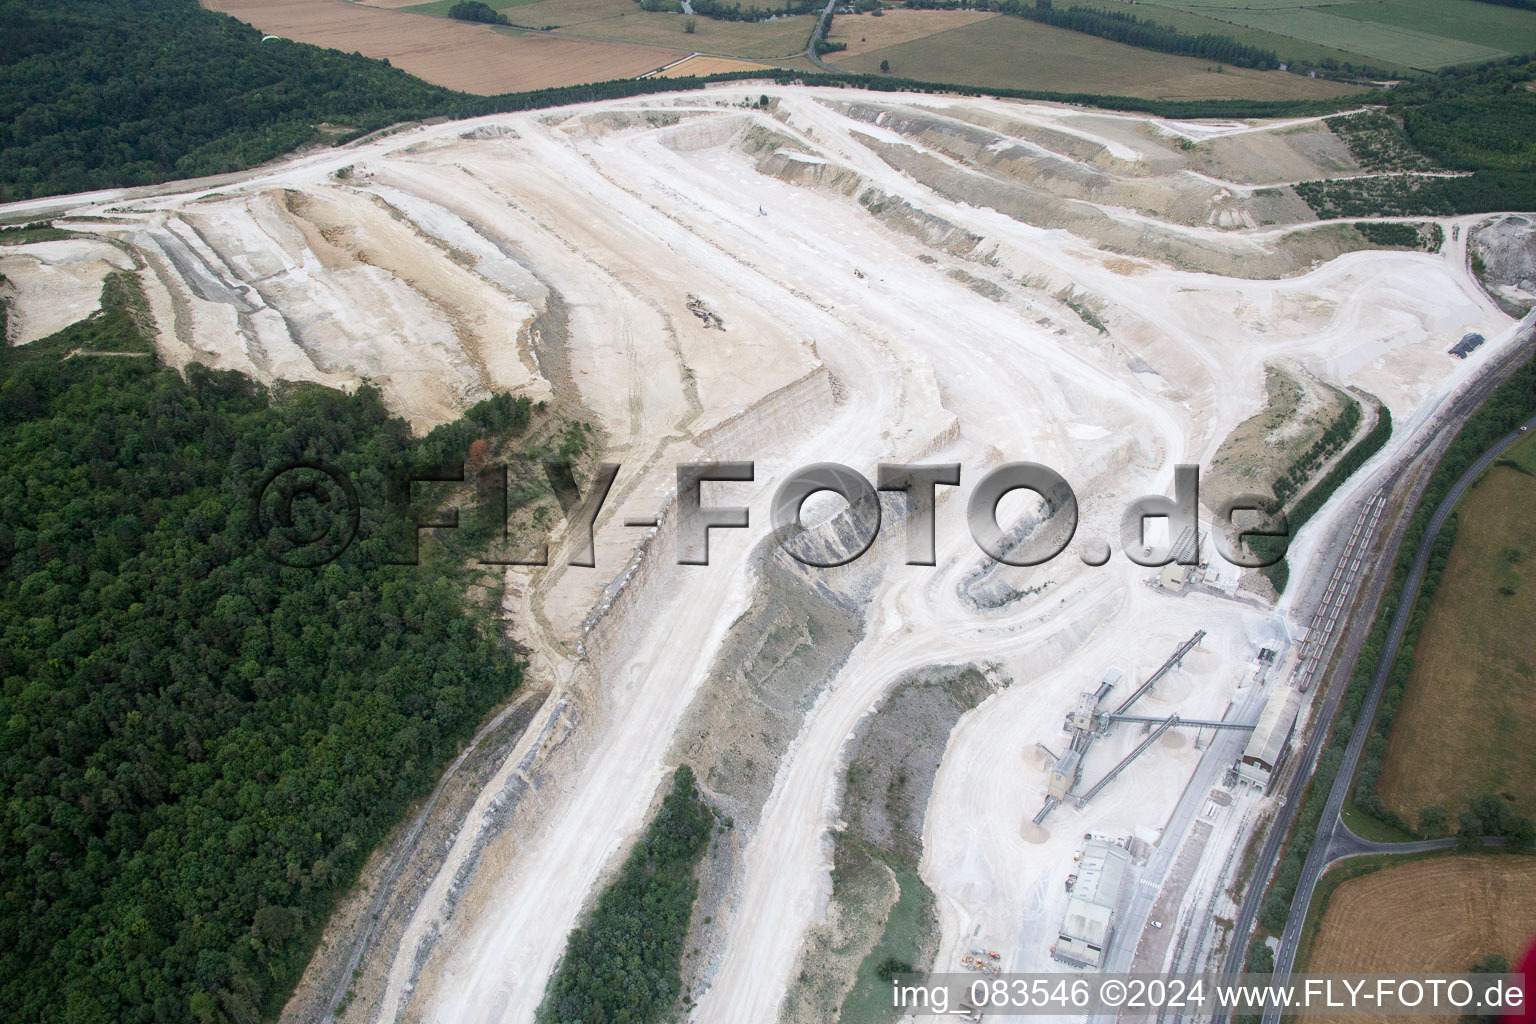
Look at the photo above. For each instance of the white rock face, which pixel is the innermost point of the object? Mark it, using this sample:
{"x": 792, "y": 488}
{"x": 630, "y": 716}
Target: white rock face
{"x": 892, "y": 288}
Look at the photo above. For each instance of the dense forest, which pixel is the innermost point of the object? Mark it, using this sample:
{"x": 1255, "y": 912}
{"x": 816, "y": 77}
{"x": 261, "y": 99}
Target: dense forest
{"x": 1427, "y": 236}
{"x": 1308, "y": 504}
{"x": 104, "y": 93}
{"x": 200, "y": 746}
{"x": 624, "y": 963}
{"x": 96, "y": 93}
{"x": 1480, "y": 121}
{"x": 1120, "y": 27}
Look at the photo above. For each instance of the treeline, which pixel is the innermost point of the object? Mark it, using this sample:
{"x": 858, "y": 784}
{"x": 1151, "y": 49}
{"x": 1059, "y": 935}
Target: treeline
{"x": 1240, "y": 108}
{"x": 1120, "y": 27}
{"x": 819, "y": 40}
{"x": 1489, "y": 815}
{"x": 1334, "y": 437}
{"x": 1529, "y": 5}
{"x": 1277, "y": 904}
{"x": 1505, "y": 409}
{"x": 200, "y": 745}
{"x": 1509, "y": 406}
{"x": 1377, "y": 141}
{"x": 1308, "y": 504}
{"x": 624, "y": 963}
{"x": 1427, "y": 237}
{"x": 476, "y": 10}
{"x": 105, "y": 93}
{"x": 99, "y": 93}
{"x": 721, "y": 11}
{"x": 1480, "y": 120}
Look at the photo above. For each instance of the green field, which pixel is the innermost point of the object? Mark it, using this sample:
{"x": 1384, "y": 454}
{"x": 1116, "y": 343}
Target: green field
{"x": 1389, "y": 34}
{"x": 908, "y": 932}
{"x": 1288, "y": 48}
{"x": 1017, "y": 53}
{"x": 1501, "y": 28}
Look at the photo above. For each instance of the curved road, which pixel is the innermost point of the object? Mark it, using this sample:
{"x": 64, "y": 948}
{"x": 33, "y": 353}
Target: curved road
{"x": 822, "y": 24}
{"x": 1329, "y": 832}
{"x": 1462, "y": 408}
{"x": 1345, "y": 844}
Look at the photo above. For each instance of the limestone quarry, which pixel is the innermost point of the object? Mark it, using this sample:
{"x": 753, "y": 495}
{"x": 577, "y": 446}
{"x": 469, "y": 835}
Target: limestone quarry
{"x": 795, "y": 275}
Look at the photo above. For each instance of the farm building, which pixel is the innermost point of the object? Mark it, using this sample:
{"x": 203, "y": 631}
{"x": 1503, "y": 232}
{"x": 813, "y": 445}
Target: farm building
{"x": 1088, "y": 926}
{"x": 1271, "y": 738}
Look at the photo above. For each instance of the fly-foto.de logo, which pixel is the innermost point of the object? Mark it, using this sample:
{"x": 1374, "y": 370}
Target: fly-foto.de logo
{"x": 309, "y": 513}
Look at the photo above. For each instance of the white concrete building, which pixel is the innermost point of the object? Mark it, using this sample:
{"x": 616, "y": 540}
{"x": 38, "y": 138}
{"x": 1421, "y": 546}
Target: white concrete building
{"x": 1088, "y": 926}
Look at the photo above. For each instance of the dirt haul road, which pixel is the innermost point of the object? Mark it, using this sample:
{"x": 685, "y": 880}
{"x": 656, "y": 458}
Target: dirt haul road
{"x": 899, "y": 279}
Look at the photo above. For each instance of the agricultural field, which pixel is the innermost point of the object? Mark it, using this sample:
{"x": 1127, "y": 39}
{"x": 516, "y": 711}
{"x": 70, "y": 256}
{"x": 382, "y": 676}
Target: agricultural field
{"x": 1392, "y": 34}
{"x": 474, "y": 58}
{"x": 440, "y": 8}
{"x": 1467, "y": 718}
{"x": 1018, "y": 54}
{"x": 624, "y": 21}
{"x": 701, "y": 64}
{"x": 1437, "y": 914}
{"x": 865, "y": 34}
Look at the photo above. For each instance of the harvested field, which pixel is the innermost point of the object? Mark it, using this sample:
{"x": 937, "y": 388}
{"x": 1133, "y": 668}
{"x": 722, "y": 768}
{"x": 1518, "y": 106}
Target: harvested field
{"x": 1467, "y": 719}
{"x": 701, "y": 64}
{"x": 1437, "y": 915}
{"x": 1016, "y": 53}
{"x": 473, "y": 58}
{"x": 624, "y": 21}
{"x": 865, "y": 32}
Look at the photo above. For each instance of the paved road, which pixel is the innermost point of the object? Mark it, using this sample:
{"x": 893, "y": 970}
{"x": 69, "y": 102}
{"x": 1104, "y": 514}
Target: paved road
{"x": 1318, "y": 856}
{"x": 1345, "y": 843}
{"x": 1274, "y": 840}
{"x": 810, "y": 46}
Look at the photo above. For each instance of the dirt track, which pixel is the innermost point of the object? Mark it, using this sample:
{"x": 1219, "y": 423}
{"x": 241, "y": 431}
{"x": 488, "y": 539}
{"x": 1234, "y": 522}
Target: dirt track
{"x": 556, "y": 252}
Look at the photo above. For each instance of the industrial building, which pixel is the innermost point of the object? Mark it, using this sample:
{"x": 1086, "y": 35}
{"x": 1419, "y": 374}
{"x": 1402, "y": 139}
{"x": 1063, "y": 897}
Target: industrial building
{"x": 1182, "y": 569}
{"x": 1088, "y": 926}
{"x": 1066, "y": 774}
{"x": 1466, "y": 346}
{"x": 1271, "y": 739}
{"x": 1088, "y": 720}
